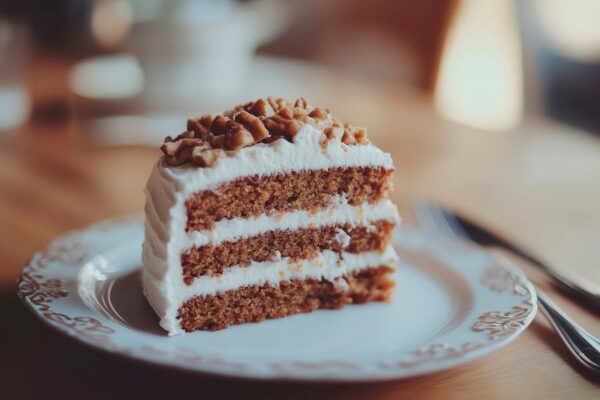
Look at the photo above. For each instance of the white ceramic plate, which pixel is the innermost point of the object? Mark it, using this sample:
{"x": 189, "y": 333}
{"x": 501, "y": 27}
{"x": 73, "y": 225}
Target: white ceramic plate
{"x": 453, "y": 303}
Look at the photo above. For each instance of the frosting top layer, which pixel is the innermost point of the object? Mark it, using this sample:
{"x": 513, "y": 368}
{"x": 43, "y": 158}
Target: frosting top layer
{"x": 208, "y": 138}
{"x": 305, "y": 152}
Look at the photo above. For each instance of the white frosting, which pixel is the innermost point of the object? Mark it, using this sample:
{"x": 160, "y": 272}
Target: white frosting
{"x": 166, "y": 238}
{"x": 342, "y": 238}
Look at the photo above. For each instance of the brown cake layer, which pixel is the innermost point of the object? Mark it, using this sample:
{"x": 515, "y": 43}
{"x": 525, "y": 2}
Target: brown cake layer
{"x": 257, "y": 303}
{"x": 304, "y": 190}
{"x": 300, "y": 244}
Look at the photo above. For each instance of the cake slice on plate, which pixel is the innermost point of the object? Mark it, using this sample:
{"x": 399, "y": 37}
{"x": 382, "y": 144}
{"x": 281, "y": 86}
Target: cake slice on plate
{"x": 268, "y": 210}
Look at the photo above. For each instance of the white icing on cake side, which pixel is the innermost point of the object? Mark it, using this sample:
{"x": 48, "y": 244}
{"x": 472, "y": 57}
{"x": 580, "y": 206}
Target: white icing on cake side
{"x": 166, "y": 238}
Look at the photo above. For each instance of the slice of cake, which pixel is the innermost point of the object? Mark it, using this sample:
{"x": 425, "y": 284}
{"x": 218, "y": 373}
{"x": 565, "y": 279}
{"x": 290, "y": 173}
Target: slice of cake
{"x": 268, "y": 210}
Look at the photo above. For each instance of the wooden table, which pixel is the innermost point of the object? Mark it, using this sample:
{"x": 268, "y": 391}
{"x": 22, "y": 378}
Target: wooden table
{"x": 540, "y": 184}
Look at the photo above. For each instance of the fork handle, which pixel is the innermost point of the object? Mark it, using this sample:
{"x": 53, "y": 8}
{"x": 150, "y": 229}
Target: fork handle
{"x": 584, "y": 346}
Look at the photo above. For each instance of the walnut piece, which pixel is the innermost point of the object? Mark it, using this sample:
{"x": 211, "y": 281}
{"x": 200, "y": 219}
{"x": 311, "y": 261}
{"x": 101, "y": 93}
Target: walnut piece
{"x": 360, "y": 134}
{"x": 254, "y": 125}
{"x": 318, "y": 113}
{"x": 206, "y": 157}
{"x": 281, "y": 126}
{"x": 174, "y": 148}
{"x": 348, "y": 138}
{"x": 276, "y": 104}
{"x": 170, "y": 148}
{"x": 219, "y": 125}
{"x": 179, "y": 152}
{"x": 217, "y": 142}
{"x": 238, "y": 137}
{"x": 334, "y": 133}
{"x": 286, "y": 112}
{"x": 301, "y": 103}
{"x": 206, "y": 121}
{"x": 260, "y": 108}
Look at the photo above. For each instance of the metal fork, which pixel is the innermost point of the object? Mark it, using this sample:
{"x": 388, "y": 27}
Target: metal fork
{"x": 583, "y": 345}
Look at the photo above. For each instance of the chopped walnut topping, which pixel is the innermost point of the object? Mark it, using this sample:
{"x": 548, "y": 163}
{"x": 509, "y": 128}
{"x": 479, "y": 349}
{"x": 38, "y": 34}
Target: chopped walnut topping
{"x": 360, "y": 134}
{"x": 286, "y": 112}
{"x": 281, "y": 126}
{"x": 204, "y": 157}
{"x": 254, "y": 125}
{"x": 318, "y": 113}
{"x": 179, "y": 151}
{"x": 237, "y": 137}
{"x": 194, "y": 126}
{"x": 262, "y": 121}
{"x": 206, "y": 121}
{"x": 348, "y": 138}
{"x": 260, "y": 108}
{"x": 199, "y": 129}
{"x": 187, "y": 135}
{"x": 277, "y": 104}
{"x": 219, "y": 125}
{"x": 301, "y": 103}
{"x": 217, "y": 142}
{"x": 334, "y": 133}
{"x": 170, "y": 148}
{"x": 298, "y": 113}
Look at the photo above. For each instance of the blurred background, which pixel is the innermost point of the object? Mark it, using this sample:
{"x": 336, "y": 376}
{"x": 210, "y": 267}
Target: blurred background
{"x": 484, "y": 65}
{"x": 492, "y": 107}
{"x": 489, "y": 107}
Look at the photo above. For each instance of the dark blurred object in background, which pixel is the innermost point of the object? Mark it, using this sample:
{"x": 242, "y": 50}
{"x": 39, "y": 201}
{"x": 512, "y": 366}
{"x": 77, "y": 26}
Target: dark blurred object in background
{"x": 394, "y": 41}
{"x": 14, "y": 49}
{"x": 57, "y": 24}
{"x": 485, "y": 65}
{"x": 563, "y": 38}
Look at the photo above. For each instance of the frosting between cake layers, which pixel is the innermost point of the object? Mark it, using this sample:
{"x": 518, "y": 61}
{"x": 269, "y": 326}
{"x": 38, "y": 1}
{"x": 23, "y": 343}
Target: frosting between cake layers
{"x": 165, "y": 242}
{"x": 327, "y": 265}
{"x": 240, "y": 228}
{"x": 157, "y": 239}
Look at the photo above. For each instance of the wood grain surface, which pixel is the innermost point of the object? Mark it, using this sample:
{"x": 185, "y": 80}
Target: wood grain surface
{"x": 539, "y": 184}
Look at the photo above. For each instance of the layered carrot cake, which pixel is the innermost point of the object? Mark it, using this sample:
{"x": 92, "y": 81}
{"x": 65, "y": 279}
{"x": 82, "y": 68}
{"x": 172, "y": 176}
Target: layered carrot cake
{"x": 271, "y": 209}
